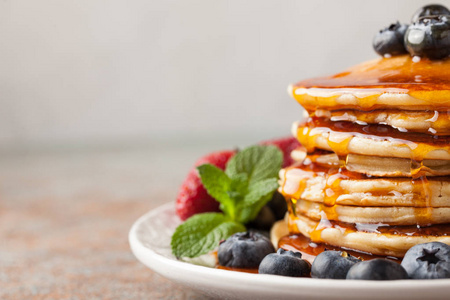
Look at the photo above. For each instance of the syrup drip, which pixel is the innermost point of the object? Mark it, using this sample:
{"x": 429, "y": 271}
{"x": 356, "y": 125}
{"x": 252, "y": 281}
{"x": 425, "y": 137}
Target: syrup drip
{"x": 334, "y": 175}
{"x": 309, "y": 169}
{"x": 341, "y": 133}
{"x": 332, "y": 190}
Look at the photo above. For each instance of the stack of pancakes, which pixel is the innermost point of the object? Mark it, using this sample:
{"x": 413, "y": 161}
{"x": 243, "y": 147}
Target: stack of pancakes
{"x": 373, "y": 174}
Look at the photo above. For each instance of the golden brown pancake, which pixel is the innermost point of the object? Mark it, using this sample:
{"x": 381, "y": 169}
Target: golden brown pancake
{"x": 387, "y": 83}
{"x": 343, "y": 138}
{"x": 377, "y": 166}
{"x": 430, "y": 122}
{"x": 391, "y": 215}
{"x": 379, "y": 243}
{"x": 336, "y": 189}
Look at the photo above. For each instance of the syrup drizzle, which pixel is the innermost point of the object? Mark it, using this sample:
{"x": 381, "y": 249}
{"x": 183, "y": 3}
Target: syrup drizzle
{"x": 341, "y": 133}
{"x": 335, "y": 174}
{"x": 428, "y": 122}
{"x": 309, "y": 249}
{"x": 420, "y": 85}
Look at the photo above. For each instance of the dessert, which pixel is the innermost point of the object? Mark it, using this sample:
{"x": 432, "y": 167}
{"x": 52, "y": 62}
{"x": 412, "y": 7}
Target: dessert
{"x": 367, "y": 183}
{"x": 373, "y": 172}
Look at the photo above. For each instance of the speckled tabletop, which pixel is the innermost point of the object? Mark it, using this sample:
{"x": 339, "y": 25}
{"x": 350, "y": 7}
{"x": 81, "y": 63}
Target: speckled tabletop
{"x": 65, "y": 216}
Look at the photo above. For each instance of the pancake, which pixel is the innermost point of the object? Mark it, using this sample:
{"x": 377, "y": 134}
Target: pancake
{"x": 396, "y": 167}
{"x": 278, "y": 230}
{"x": 387, "y": 83}
{"x": 378, "y": 166}
{"x": 431, "y": 122}
{"x": 391, "y": 215}
{"x": 331, "y": 189}
{"x": 374, "y": 171}
{"x": 379, "y": 243}
{"x": 343, "y": 138}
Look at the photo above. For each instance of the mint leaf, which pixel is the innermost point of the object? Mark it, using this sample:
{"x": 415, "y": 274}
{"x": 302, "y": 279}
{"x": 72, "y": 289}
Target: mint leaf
{"x": 218, "y": 186}
{"x": 202, "y": 233}
{"x": 258, "y": 195}
{"x": 259, "y": 190}
{"x": 239, "y": 184}
{"x": 258, "y": 162}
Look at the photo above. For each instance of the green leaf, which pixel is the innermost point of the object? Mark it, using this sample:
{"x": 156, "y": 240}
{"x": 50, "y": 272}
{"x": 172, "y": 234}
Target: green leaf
{"x": 258, "y": 162}
{"x": 239, "y": 183}
{"x": 202, "y": 233}
{"x": 258, "y": 195}
{"x": 218, "y": 186}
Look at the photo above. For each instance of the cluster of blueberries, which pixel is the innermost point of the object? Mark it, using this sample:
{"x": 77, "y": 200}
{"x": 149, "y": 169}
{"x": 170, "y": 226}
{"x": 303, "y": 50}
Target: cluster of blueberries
{"x": 428, "y": 35}
{"x": 251, "y": 250}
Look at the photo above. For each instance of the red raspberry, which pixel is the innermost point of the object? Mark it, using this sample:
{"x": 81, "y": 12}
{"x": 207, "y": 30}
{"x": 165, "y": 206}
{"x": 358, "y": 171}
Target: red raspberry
{"x": 286, "y": 145}
{"x": 192, "y": 198}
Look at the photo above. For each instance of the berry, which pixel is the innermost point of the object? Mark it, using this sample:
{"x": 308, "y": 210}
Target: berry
{"x": 192, "y": 198}
{"x": 274, "y": 210}
{"x": 278, "y": 205}
{"x": 286, "y": 145}
{"x": 244, "y": 250}
{"x": 285, "y": 263}
{"x": 332, "y": 264}
{"x": 390, "y": 40}
{"x": 428, "y": 261}
{"x": 429, "y": 37}
{"x": 377, "y": 269}
{"x": 264, "y": 220}
{"x": 430, "y": 10}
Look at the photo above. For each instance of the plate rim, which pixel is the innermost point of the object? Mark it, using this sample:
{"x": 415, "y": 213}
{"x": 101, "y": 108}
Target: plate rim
{"x": 269, "y": 281}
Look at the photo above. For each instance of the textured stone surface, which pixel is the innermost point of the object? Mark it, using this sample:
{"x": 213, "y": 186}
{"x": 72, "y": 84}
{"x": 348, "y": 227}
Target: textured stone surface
{"x": 65, "y": 216}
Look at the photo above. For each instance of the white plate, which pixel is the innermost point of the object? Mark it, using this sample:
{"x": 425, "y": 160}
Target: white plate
{"x": 150, "y": 242}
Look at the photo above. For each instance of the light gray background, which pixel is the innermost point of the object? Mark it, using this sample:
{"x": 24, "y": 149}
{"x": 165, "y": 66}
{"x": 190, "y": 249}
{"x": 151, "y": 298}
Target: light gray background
{"x": 84, "y": 72}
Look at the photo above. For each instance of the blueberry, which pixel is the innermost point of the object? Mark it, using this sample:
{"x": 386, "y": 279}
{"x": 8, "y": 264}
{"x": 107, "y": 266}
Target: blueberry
{"x": 278, "y": 205}
{"x": 429, "y": 37}
{"x": 430, "y": 10}
{"x": 244, "y": 250}
{"x": 264, "y": 220}
{"x": 377, "y": 269}
{"x": 390, "y": 40}
{"x": 332, "y": 264}
{"x": 285, "y": 263}
{"x": 428, "y": 261}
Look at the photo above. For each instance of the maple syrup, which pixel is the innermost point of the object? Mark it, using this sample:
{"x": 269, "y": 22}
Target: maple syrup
{"x": 431, "y": 121}
{"x": 252, "y": 271}
{"x": 425, "y": 82}
{"x": 341, "y": 134}
{"x": 309, "y": 249}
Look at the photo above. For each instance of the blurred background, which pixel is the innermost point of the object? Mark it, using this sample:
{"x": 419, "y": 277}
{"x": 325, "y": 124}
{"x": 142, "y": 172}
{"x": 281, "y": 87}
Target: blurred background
{"x": 96, "y": 72}
{"x": 106, "y": 104}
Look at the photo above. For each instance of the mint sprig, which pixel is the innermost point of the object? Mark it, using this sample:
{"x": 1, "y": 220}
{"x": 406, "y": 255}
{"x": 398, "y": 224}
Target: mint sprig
{"x": 201, "y": 232}
{"x": 248, "y": 183}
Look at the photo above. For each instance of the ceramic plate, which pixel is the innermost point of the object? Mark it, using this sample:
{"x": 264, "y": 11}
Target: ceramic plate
{"x": 150, "y": 242}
